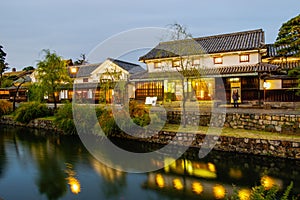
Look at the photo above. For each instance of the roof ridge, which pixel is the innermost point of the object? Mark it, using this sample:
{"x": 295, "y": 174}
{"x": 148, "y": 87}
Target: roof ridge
{"x": 87, "y": 65}
{"x": 215, "y": 36}
{"x": 127, "y": 62}
{"x": 231, "y": 34}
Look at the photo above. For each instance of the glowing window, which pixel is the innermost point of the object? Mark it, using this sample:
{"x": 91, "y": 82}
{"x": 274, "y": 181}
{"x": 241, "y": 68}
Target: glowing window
{"x": 175, "y": 63}
{"x": 157, "y": 65}
{"x": 244, "y": 58}
{"x": 218, "y": 60}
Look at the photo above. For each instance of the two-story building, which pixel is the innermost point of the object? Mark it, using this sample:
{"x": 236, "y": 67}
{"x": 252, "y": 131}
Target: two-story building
{"x": 96, "y": 82}
{"x": 210, "y": 68}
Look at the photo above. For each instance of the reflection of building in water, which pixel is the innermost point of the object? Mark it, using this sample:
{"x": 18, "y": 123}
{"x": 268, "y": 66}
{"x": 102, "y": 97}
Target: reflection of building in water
{"x": 193, "y": 168}
{"x": 269, "y": 182}
{"x": 192, "y": 179}
{"x": 188, "y": 187}
{"x": 72, "y": 180}
{"x": 107, "y": 173}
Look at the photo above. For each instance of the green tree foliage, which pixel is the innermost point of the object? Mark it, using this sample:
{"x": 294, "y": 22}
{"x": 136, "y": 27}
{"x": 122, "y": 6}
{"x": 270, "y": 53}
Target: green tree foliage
{"x": 35, "y": 93}
{"x": 3, "y": 64}
{"x": 261, "y": 193}
{"x": 288, "y": 40}
{"x": 28, "y": 68}
{"x": 30, "y": 111}
{"x": 289, "y": 37}
{"x": 52, "y": 73}
{"x": 64, "y": 119}
{"x": 5, "y": 107}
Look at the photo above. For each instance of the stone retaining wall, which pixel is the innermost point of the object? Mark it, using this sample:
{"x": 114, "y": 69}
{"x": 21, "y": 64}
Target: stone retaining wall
{"x": 37, "y": 123}
{"x": 275, "y": 148}
{"x": 282, "y": 123}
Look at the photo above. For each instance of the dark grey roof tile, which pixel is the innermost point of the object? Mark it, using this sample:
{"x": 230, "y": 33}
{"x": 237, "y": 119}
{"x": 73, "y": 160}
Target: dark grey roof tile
{"x": 246, "y": 40}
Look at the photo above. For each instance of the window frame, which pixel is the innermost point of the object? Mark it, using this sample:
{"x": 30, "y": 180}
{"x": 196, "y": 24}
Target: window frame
{"x": 175, "y": 61}
{"x": 218, "y": 62}
{"x": 157, "y": 65}
{"x": 243, "y": 61}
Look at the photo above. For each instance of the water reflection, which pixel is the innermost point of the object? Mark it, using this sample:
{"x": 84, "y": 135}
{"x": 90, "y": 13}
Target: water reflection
{"x": 115, "y": 180}
{"x": 59, "y": 167}
{"x": 72, "y": 180}
{"x": 198, "y": 179}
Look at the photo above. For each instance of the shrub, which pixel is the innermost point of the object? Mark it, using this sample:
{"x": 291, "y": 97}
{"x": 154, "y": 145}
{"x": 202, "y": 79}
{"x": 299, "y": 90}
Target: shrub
{"x": 262, "y": 193}
{"x": 64, "y": 119}
{"x": 5, "y": 107}
{"x": 30, "y": 111}
{"x": 107, "y": 121}
{"x": 139, "y": 113}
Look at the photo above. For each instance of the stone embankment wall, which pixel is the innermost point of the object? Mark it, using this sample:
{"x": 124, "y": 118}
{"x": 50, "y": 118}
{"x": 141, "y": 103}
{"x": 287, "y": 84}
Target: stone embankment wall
{"x": 37, "y": 123}
{"x": 275, "y": 148}
{"x": 281, "y": 123}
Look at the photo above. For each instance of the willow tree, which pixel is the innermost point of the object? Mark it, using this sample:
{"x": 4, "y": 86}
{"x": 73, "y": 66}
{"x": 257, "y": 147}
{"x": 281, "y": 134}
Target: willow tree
{"x": 52, "y": 74}
{"x": 183, "y": 47}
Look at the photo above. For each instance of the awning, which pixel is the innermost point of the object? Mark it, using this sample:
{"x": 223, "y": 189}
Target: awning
{"x": 206, "y": 72}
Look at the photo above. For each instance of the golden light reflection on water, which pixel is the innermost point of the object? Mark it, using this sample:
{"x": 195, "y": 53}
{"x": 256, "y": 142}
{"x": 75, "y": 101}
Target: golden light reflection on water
{"x": 268, "y": 182}
{"x": 197, "y": 188}
{"x": 177, "y": 184}
{"x": 244, "y": 194}
{"x": 219, "y": 191}
{"x": 159, "y": 180}
{"x": 109, "y": 174}
{"x": 72, "y": 181}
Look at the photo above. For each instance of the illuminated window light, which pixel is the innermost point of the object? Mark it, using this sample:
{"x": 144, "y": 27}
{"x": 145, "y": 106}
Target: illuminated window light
{"x": 244, "y": 58}
{"x": 267, "y": 85}
{"x": 234, "y": 79}
{"x": 218, "y": 60}
{"x": 73, "y": 70}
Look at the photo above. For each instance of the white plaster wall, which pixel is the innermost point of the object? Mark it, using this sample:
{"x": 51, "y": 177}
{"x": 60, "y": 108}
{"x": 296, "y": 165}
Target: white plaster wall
{"x": 208, "y": 61}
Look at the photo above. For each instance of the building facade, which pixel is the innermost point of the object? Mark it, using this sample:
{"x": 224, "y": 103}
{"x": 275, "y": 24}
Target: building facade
{"x": 211, "y": 68}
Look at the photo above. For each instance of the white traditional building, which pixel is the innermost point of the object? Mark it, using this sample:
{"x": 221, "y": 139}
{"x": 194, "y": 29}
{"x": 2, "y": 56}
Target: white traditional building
{"x": 211, "y": 65}
{"x": 95, "y": 82}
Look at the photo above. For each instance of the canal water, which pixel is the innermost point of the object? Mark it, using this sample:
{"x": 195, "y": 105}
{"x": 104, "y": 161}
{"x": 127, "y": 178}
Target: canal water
{"x": 38, "y": 165}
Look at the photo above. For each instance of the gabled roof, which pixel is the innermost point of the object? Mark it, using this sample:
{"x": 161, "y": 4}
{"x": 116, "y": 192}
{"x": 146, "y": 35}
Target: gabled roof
{"x": 238, "y": 41}
{"x": 86, "y": 70}
{"x": 132, "y": 68}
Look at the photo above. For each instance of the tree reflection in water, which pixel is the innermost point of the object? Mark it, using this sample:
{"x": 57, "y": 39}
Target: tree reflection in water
{"x": 39, "y": 161}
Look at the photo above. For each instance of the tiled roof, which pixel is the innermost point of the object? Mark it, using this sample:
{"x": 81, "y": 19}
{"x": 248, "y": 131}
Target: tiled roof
{"x": 272, "y": 51}
{"x": 211, "y": 71}
{"x": 132, "y": 68}
{"x": 86, "y": 70}
{"x": 246, "y": 40}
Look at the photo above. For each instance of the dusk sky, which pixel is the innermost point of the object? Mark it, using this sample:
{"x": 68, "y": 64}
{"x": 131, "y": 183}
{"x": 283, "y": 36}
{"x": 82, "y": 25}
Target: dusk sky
{"x": 71, "y": 28}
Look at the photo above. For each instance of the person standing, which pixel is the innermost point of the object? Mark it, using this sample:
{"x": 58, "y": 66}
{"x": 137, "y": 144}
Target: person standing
{"x": 235, "y": 97}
